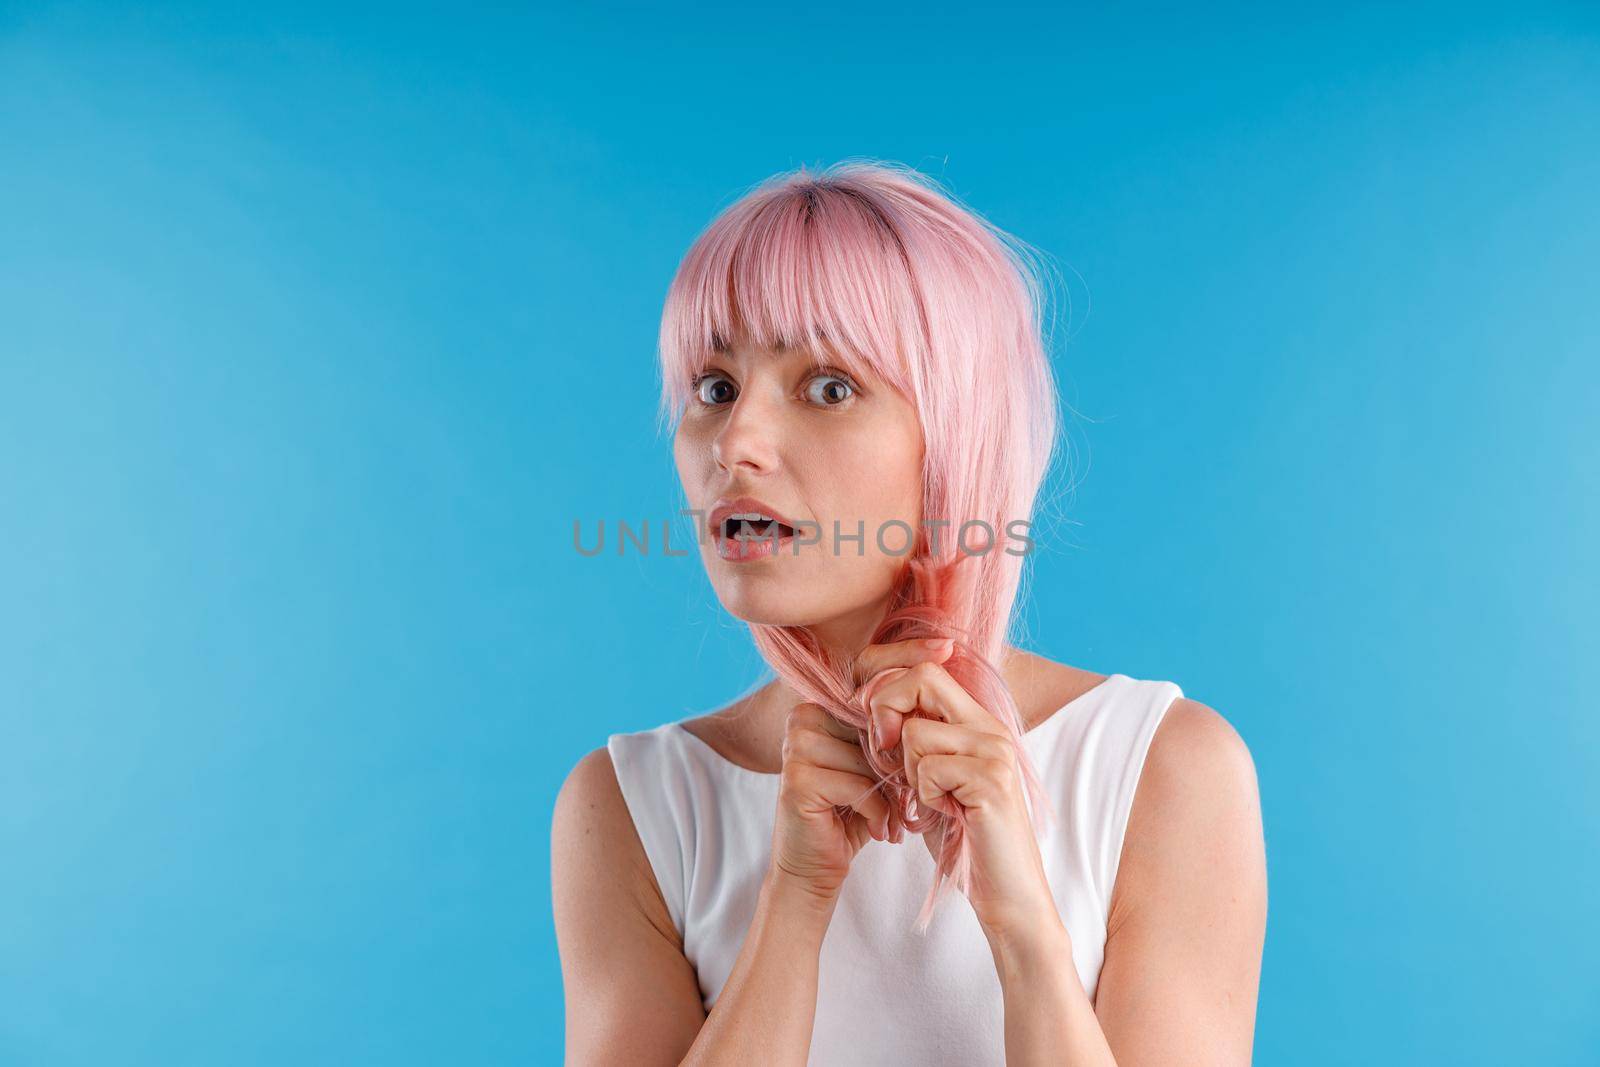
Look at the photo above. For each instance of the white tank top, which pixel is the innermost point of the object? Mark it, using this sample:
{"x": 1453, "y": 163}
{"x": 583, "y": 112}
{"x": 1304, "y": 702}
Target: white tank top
{"x": 885, "y": 992}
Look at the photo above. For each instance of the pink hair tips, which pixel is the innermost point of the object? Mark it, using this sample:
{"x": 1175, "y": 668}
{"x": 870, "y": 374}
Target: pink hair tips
{"x": 875, "y": 264}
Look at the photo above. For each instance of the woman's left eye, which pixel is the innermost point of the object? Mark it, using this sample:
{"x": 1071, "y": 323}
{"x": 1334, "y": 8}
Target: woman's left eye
{"x": 829, "y": 390}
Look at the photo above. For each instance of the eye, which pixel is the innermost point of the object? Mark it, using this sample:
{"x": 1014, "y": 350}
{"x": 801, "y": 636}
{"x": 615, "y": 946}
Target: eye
{"x": 830, "y": 389}
{"x": 713, "y": 389}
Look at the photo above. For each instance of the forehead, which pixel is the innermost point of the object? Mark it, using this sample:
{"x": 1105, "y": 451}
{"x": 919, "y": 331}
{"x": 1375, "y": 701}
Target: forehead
{"x": 746, "y": 350}
{"x": 813, "y": 353}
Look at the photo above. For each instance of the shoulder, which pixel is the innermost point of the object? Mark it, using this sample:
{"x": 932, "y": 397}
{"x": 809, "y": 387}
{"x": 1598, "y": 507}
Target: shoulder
{"x": 1187, "y": 924}
{"x": 591, "y": 817}
{"x": 1195, "y": 826}
{"x": 592, "y": 775}
{"x": 630, "y": 992}
{"x": 595, "y": 845}
{"x": 1195, "y": 748}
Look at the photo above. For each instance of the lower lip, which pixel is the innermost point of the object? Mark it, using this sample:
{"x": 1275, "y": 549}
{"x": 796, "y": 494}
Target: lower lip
{"x": 736, "y": 551}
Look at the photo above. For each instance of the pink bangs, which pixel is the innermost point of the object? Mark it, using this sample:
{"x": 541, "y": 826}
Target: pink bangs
{"x": 803, "y": 261}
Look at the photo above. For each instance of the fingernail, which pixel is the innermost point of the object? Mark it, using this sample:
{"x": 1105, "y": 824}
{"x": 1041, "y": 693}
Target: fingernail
{"x": 937, "y": 642}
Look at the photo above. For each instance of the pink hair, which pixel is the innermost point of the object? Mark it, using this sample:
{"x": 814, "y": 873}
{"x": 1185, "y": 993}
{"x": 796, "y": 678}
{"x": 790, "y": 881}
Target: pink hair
{"x": 879, "y": 267}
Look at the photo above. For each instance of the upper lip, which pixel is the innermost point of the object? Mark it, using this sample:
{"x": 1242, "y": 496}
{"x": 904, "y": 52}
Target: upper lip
{"x": 743, "y": 505}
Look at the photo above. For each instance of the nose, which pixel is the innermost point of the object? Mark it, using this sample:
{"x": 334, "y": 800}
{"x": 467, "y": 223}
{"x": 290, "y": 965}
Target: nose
{"x": 748, "y": 439}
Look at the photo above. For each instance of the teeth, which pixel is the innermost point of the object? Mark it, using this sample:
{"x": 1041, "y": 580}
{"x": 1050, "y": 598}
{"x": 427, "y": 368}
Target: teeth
{"x": 748, "y": 533}
{"x": 744, "y": 531}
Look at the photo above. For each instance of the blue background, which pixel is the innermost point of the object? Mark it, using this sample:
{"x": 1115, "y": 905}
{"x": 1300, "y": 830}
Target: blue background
{"x": 319, "y": 329}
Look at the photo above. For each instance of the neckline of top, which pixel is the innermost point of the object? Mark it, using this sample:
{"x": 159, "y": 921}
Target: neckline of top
{"x": 775, "y": 776}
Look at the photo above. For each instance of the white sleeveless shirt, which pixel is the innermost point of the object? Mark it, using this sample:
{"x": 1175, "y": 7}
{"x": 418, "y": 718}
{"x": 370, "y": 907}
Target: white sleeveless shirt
{"x": 885, "y": 992}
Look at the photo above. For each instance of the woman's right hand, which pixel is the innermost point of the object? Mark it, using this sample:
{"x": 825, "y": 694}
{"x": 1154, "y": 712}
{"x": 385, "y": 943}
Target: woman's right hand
{"x": 823, "y": 766}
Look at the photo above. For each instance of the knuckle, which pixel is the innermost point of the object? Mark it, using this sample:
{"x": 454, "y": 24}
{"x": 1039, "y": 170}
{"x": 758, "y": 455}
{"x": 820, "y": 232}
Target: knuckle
{"x": 793, "y": 750}
{"x": 994, "y": 747}
{"x": 806, "y": 746}
{"x": 796, "y": 779}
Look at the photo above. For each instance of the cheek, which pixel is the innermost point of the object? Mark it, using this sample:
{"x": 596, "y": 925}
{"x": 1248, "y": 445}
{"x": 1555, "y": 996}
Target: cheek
{"x": 908, "y": 474}
{"x": 898, "y": 455}
{"x": 871, "y": 473}
{"x": 687, "y": 452}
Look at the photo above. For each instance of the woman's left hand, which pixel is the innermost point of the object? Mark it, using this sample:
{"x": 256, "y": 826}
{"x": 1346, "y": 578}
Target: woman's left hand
{"x": 955, "y": 752}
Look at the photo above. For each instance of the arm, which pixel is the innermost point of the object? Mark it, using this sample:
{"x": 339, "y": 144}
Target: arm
{"x": 631, "y": 995}
{"x": 769, "y": 1004}
{"x": 1188, "y": 921}
{"x": 1189, "y": 911}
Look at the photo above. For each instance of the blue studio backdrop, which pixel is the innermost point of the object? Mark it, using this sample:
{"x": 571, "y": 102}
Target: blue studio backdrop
{"x": 319, "y": 329}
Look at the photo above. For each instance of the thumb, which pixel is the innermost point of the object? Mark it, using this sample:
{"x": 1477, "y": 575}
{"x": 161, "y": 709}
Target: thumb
{"x": 860, "y": 830}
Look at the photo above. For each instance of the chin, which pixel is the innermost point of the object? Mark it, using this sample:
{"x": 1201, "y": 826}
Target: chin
{"x": 769, "y": 597}
{"x": 784, "y": 603}
{"x": 773, "y": 606}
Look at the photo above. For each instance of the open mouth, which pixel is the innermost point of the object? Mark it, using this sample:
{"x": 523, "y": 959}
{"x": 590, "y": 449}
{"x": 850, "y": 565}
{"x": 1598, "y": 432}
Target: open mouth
{"x": 753, "y": 527}
{"x": 745, "y": 529}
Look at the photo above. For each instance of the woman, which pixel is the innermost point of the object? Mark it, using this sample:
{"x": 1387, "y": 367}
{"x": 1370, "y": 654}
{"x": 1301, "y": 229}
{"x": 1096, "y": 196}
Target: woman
{"x": 863, "y": 411}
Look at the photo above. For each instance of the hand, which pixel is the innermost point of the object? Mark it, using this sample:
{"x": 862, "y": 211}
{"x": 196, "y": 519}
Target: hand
{"x": 828, "y": 803}
{"x": 955, "y": 752}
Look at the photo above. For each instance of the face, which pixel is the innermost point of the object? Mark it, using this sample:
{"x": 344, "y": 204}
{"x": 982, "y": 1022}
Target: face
{"x": 804, "y": 442}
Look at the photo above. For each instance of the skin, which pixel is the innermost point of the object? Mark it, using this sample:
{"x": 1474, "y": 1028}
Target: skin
{"x": 814, "y": 452}
{"x": 1188, "y": 911}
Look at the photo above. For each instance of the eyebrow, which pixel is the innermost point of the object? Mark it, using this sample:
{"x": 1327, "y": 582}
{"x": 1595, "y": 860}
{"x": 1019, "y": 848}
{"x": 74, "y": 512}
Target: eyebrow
{"x": 816, "y": 356}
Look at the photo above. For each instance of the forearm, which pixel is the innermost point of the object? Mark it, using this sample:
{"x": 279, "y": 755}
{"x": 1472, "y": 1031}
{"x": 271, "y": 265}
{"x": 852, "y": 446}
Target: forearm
{"x": 1048, "y": 1016}
{"x": 768, "y": 1005}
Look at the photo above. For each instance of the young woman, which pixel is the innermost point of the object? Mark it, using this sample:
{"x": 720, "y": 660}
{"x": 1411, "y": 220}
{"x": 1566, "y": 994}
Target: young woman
{"x": 863, "y": 413}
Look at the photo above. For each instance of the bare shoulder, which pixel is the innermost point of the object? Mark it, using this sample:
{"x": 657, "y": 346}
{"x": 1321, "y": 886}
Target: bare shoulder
{"x": 1195, "y": 747}
{"x": 1197, "y": 807}
{"x": 1188, "y": 918}
{"x": 594, "y": 843}
{"x": 631, "y": 995}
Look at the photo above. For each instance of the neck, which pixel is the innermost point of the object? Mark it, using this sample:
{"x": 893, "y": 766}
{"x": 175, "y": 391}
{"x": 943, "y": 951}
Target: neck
{"x": 846, "y": 635}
